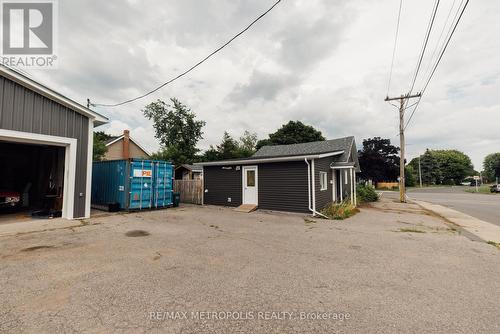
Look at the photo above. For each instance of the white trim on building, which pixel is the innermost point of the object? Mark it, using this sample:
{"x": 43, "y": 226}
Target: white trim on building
{"x": 264, "y": 160}
{"x": 132, "y": 140}
{"x": 69, "y": 162}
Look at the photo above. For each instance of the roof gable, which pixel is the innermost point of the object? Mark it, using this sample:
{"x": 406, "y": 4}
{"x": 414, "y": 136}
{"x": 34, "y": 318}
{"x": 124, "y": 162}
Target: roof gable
{"x": 113, "y": 140}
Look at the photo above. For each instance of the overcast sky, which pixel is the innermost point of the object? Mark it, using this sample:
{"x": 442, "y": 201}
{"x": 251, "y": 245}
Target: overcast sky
{"x": 323, "y": 62}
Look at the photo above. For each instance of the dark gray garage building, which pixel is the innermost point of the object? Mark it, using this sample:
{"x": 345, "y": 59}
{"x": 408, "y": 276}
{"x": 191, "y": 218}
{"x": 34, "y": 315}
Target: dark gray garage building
{"x": 298, "y": 177}
{"x": 46, "y": 144}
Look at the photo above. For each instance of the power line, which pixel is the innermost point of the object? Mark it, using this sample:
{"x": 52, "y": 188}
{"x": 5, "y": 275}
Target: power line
{"x": 195, "y": 65}
{"x": 437, "y": 63}
{"x": 395, "y": 44}
{"x": 424, "y": 46}
{"x": 431, "y": 59}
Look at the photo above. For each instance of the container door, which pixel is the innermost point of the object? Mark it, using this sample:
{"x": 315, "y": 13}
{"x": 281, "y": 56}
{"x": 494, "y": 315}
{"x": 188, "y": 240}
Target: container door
{"x": 162, "y": 184}
{"x": 109, "y": 183}
{"x": 141, "y": 184}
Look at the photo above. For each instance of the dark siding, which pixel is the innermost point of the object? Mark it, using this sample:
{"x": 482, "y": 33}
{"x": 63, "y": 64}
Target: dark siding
{"x": 24, "y": 110}
{"x": 283, "y": 186}
{"x": 221, "y": 184}
{"x": 323, "y": 197}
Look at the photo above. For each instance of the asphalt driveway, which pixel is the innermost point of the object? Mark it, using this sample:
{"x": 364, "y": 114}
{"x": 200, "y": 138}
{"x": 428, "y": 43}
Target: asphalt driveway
{"x": 482, "y": 206}
{"x": 213, "y": 270}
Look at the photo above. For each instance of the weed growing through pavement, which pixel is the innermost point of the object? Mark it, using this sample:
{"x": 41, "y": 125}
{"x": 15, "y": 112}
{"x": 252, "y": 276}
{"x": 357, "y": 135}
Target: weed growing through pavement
{"x": 309, "y": 221}
{"x": 410, "y": 230}
{"x": 496, "y": 244}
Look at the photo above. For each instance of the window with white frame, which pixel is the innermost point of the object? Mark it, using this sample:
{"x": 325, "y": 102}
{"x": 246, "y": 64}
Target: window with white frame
{"x": 323, "y": 180}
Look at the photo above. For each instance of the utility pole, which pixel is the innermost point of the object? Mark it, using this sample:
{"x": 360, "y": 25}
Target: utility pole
{"x": 402, "y": 99}
{"x": 420, "y": 171}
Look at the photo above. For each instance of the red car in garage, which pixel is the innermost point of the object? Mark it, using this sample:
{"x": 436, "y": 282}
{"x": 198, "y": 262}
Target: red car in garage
{"x": 9, "y": 199}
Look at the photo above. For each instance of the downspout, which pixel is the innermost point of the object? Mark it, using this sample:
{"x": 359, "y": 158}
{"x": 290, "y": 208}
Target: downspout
{"x": 308, "y": 184}
{"x": 313, "y": 210}
{"x": 313, "y": 188}
{"x": 203, "y": 185}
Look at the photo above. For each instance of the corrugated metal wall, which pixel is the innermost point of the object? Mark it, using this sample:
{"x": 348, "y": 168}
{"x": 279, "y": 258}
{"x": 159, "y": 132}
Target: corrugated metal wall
{"x": 24, "y": 110}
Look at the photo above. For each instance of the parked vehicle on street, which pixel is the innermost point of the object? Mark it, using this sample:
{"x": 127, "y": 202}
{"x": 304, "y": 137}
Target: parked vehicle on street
{"x": 495, "y": 188}
{"x": 9, "y": 199}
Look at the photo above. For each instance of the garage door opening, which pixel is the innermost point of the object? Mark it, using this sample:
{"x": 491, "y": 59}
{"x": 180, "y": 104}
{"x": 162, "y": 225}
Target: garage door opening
{"x": 31, "y": 180}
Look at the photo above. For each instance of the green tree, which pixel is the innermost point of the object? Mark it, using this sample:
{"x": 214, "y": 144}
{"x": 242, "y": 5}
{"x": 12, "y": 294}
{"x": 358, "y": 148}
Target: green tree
{"x": 100, "y": 149}
{"x": 294, "y": 132}
{"x": 210, "y": 155}
{"x": 410, "y": 176}
{"x": 247, "y": 144}
{"x": 177, "y": 129}
{"x": 443, "y": 166}
{"x": 228, "y": 148}
{"x": 379, "y": 160}
{"x": 491, "y": 166}
{"x": 431, "y": 174}
{"x": 454, "y": 166}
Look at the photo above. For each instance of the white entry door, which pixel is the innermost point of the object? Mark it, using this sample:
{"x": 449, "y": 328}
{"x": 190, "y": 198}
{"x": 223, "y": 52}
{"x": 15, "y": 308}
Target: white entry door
{"x": 250, "y": 182}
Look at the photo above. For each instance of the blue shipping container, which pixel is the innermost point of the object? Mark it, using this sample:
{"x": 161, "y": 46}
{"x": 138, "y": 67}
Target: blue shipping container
{"x": 133, "y": 184}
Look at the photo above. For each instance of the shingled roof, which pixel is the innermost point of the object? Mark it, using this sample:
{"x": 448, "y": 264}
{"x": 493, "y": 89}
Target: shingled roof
{"x": 316, "y": 147}
{"x": 339, "y": 149}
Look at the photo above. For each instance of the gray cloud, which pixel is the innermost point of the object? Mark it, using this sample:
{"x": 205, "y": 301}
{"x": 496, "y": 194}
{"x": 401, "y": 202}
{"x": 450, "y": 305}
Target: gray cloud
{"x": 261, "y": 85}
{"x": 323, "y": 62}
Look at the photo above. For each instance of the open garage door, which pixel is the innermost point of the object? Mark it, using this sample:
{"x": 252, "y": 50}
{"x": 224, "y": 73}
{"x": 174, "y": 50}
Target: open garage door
{"x": 31, "y": 179}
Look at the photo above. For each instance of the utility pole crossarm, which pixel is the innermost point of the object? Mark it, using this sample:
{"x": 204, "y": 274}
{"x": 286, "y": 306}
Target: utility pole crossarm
{"x": 403, "y": 96}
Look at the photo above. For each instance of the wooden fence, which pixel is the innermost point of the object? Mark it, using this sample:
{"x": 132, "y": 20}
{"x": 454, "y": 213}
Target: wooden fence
{"x": 191, "y": 190}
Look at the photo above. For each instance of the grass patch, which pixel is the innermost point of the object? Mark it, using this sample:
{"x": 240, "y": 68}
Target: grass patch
{"x": 496, "y": 244}
{"x": 484, "y": 189}
{"x": 309, "y": 221}
{"x": 340, "y": 211}
{"x": 410, "y": 230}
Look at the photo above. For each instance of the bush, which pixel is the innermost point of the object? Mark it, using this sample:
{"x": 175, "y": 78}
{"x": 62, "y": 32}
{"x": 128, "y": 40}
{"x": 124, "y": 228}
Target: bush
{"x": 339, "y": 211}
{"x": 366, "y": 193}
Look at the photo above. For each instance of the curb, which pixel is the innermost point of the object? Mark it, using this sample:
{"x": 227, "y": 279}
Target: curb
{"x": 483, "y": 230}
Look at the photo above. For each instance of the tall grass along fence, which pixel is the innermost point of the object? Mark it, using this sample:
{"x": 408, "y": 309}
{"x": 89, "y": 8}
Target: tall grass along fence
{"x": 191, "y": 190}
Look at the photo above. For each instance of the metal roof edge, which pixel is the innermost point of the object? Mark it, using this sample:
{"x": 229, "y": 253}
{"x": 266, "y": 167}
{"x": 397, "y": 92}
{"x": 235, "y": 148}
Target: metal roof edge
{"x": 49, "y": 93}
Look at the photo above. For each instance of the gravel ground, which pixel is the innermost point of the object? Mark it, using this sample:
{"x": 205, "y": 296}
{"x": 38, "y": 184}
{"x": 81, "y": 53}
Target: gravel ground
{"x": 166, "y": 271}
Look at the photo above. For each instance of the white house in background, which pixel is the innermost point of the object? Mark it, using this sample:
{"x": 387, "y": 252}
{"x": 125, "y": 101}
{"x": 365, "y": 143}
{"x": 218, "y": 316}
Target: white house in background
{"x": 124, "y": 147}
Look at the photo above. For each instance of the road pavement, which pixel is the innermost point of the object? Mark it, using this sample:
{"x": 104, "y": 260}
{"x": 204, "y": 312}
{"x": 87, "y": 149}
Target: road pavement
{"x": 482, "y": 206}
{"x": 391, "y": 268}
